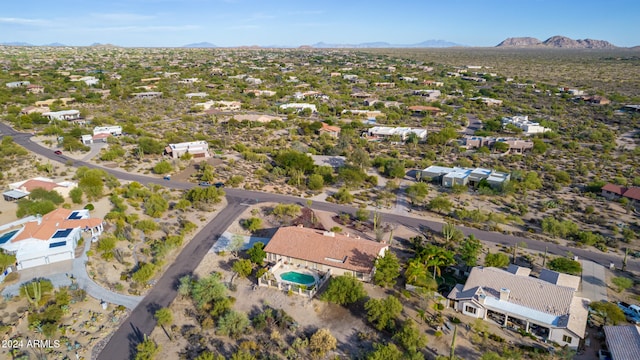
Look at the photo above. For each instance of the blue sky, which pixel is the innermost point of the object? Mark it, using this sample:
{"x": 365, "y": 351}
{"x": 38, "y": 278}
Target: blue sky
{"x": 294, "y": 23}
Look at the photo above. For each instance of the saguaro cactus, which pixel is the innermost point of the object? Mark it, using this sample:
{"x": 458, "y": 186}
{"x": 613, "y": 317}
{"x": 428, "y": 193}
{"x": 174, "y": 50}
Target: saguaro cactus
{"x": 37, "y": 293}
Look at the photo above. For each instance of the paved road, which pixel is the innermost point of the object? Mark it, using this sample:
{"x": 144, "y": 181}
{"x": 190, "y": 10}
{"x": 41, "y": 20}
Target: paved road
{"x": 141, "y": 321}
{"x": 473, "y": 125}
{"x": 594, "y": 281}
{"x": 406, "y": 219}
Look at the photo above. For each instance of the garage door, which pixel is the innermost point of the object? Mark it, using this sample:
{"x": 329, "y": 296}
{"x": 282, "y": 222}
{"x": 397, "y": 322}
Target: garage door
{"x": 24, "y": 264}
{"x": 60, "y": 257}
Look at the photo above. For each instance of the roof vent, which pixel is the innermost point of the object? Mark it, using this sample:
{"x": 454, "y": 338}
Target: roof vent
{"x": 300, "y": 225}
{"x": 329, "y": 234}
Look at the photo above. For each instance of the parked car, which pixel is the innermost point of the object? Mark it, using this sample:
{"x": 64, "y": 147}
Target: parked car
{"x": 219, "y": 184}
{"x": 168, "y": 177}
{"x": 204, "y": 183}
{"x": 58, "y": 152}
{"x": 632, "y": 312}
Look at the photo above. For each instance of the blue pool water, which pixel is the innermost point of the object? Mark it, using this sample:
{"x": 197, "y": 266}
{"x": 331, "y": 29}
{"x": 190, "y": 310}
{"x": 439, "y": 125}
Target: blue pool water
{"x": 6, "y": 236}
{"x": 295, "y": 277}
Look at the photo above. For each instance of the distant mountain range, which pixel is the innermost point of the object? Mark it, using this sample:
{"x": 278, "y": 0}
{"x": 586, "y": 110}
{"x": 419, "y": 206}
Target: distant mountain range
{"x": 200, "y": 45}
{"x": 557, "y": 41}
{"x": 380, "y": 44}
{"x": 27, "y": 44}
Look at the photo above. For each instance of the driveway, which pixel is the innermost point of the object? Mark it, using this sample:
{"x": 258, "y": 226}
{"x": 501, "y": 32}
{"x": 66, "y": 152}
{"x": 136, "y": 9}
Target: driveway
{"x": 62, "y": 273}
{"x": 594, "y": 281}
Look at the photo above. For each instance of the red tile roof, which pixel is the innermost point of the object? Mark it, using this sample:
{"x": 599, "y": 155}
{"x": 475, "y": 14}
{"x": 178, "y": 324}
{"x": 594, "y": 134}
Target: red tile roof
{"x": 327, "y": 127}
{"x": 632, "y": 193}
{"x": 52, "y": 222}
{"x": 32, "y": 184}
{"x": 338, "y": 251}
{"x": 616, "y": 189}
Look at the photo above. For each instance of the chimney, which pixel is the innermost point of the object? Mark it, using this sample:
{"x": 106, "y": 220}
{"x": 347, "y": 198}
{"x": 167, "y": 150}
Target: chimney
{"x": 504, "y": 294}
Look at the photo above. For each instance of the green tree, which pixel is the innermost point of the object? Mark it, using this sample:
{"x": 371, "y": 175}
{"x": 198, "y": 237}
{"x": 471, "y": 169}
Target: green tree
{"x": 150, "y": 146}
{"x": 610, "y": 312}
{"x": 382, "y": 313}
{"x": 417, "y": 192}
{"x": 410, "y": 337}
{"x": 416, "y": 273}
{"x": 147, "y": 349}
{"x": 233, "y": 324}
{"x": 440, "y": 204}
{"x": 385, "y": 352}
{"x": 565, "y": 265}
{"x": 207, "y": 290}
{"x": 343, "y": 196}
{"x": 144, "y": 273}
{"x": 501, "y": 147}
{"x": 163, "y": 167}
{"x": 622, "y": 283}
{"x": 209, "y": 194}
{"x": 76, "y": 195}
{"x": 164, "y": 316}
{"x": 256, "y": 253}
{"x": 242, "y": 267}
{"x": 344, "y": 290}
{"x": 315, "y": 182}
{"x": 284, "y": 211}
{"x": 106, "y": 245}
{"x": 387, "y": 270}
{"x": 498, "y": 260}
{"x": 6, "y": 260}
{"x": 539, "y": 147}
{"x": 91, "y": 182}
{"x": 321, "y": 342}
{"x": 42, "y": 194}
{"x": 469, "y": 251}
{"x": 292, "y": 159}
{"x": 437, "y": 257}
{"x": 252, "y": 224}
{"x": 155, "y": 205}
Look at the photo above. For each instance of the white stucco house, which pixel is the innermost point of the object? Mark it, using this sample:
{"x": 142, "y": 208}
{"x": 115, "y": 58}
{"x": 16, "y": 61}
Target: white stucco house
{"x": 42, "y": 240}
{"x": 299, "y": 107}
{"x": 199, "y": 149}
{"x": 513, "y": 299}
{"x": 68, "y": 115}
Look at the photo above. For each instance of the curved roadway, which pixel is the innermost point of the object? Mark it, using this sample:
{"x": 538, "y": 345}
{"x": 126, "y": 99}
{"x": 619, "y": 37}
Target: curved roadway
{"x": 141, "y": 321}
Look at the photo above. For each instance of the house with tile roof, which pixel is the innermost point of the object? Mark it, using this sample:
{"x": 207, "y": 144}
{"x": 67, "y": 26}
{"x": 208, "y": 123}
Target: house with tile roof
{"x": 323, "y": 251}
{"x": 623, "y": 341}
{"x": 615, "y": 192}
{"x": 41, "y": 240}
{"x": 27, "y": 186}
{"x": 333, "y": 131}
{"x": 517, "y": 301}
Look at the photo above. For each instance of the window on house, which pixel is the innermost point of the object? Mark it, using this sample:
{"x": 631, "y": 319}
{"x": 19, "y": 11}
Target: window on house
{"x": 470, "y": 309}
{"x": 567, "y": 339}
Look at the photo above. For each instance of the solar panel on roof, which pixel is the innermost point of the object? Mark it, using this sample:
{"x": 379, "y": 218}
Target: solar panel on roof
{"x": 62, "y": 233}
{"x": 57, "y": 244}
{"x": 75, "y": 216}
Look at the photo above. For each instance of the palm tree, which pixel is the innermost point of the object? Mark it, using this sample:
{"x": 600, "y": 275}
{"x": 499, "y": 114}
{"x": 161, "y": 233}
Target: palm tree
{"x": 415, "y": 270}
{"x": 438, "y": 257}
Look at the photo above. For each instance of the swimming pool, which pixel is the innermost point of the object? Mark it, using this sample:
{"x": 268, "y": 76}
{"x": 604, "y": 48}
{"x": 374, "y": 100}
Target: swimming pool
{"x": 6, "y": 236}
{"x": 298, "y": 278}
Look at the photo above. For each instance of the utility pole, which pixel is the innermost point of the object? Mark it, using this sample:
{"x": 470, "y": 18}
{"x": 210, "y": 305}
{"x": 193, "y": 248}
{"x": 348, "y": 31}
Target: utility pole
{"x": 544, "y": 259}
